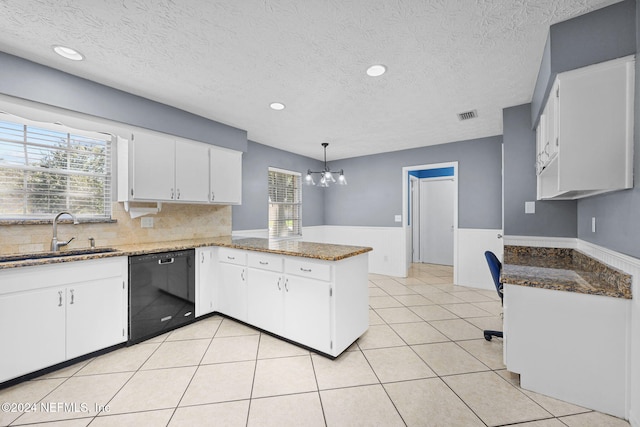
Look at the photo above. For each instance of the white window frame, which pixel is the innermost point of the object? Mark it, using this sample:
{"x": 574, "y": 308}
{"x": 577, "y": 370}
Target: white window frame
{"x": 276, "y": 214}
{"x": 31, "y": 144}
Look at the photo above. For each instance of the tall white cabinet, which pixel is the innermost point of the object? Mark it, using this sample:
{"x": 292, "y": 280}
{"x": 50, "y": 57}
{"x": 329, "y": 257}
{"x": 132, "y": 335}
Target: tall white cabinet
{"x": 584, "y": 137}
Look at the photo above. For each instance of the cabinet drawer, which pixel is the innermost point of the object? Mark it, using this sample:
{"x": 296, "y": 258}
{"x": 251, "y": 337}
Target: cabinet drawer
{"x": 306, "y": 268}
{"x": 265, "y": 261}
{"x": 232, "y": 256}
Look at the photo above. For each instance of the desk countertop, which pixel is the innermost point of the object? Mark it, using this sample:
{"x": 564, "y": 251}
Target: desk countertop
{"x": 563, "y": 269}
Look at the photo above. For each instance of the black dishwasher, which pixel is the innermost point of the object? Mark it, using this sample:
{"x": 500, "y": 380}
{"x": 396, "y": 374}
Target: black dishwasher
{"x": 161, "y": 293}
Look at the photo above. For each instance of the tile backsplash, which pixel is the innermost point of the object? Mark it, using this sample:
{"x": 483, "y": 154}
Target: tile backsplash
{"x": 174, "y": 222}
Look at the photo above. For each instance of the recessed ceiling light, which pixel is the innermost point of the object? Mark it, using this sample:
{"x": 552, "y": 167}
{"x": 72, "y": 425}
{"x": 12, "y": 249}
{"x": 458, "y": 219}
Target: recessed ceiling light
{"x": 277, "y": 106}
{"x": 67, "y": 52}
{"x": 376, "y": 70}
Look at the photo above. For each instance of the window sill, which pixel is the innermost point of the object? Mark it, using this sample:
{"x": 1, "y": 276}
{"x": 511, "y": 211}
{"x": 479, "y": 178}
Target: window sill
{"x": 46, "y": 221}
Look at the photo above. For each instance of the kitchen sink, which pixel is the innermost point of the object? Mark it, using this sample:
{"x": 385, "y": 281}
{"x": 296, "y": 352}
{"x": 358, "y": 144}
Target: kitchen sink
{"x": 42, "y": 255}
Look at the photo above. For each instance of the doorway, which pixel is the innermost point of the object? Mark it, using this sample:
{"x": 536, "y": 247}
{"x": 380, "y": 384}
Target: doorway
{"x": 431, "y": 210}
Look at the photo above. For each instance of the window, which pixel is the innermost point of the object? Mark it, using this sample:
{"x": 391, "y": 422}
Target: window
{"x": 285, "y": 203}
{"x": 47, "y": 169}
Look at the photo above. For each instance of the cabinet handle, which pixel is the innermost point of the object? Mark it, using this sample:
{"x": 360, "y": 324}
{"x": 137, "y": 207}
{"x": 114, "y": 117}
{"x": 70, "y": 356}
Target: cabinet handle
{"x": 202, "y": 258}
{"x": 306, "y": 270}
{"x": 286, "y": 282}
{"x": 59, "y": 298}
{"x": 172, "y": 194}
{"x": 213, "y": 196}
{"x": 242, "y": 275}
{"x": 279, "y": 280}
{"x": 178, "y": 194}
{"x": 72, "y": 296}
{"x": 264, "y": 263}
{"x": 231, "y": 257}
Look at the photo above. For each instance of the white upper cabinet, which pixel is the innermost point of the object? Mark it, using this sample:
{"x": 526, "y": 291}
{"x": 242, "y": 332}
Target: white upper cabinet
{"x": 585, "y": 135}
{"x": 225, "y": 175}
{"x": 152, "y": 168}
{"x": 156, "y": 167}
{"x": 192, "y": 171}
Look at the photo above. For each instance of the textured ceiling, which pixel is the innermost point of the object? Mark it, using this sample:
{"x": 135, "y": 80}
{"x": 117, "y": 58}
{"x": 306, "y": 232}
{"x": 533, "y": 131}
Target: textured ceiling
{"x": 227, "y": 60}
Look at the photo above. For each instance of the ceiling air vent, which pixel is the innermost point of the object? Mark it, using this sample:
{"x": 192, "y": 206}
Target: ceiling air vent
{"x": 468, "y": 115}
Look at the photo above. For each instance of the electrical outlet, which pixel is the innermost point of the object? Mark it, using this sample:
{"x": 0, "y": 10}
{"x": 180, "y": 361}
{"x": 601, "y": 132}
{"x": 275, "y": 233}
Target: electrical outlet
{"x": 146, "y": 222}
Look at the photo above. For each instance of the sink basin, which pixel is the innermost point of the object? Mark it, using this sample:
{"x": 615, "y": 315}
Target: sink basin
{"x": 42, "y": 255}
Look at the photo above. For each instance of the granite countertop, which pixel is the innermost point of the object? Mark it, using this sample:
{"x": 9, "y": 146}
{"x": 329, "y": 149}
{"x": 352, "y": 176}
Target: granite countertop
{"x": 563, "y": 269}
{"x": 321, "y": 251}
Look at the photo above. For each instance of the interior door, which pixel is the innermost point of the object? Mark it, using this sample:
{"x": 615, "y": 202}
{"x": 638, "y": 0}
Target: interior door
{"x": 436, "y": 221}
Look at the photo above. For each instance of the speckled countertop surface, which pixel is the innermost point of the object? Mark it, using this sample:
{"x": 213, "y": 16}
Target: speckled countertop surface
{"x": 322, "y": 251}
{"x": 564, "y": 270}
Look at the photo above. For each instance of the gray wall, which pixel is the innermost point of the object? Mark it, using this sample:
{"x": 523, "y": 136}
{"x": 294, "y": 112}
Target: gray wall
{"x": 374, "y": 194}
{"x": 253, "y": 213}
{"x": 601, "y": 35}
{"x": 617, "y": 214}
{"x": 28, "y": 80}
{"x": 553, "y": 218}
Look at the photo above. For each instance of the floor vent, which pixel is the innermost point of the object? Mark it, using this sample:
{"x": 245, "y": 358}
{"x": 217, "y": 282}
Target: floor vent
{"x": 468, "y": 115}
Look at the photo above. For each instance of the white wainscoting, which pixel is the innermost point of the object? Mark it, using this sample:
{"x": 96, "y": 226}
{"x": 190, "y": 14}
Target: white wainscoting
{"x": 387, "y": 256}
{"x": 472, "y": 268}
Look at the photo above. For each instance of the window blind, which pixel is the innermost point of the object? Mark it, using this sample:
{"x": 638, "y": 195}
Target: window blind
{"x": 285, "y": 204}
{"x": 44, "y": 171}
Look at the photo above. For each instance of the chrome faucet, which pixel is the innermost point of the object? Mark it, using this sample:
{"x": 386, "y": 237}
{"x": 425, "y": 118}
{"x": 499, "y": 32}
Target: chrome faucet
{"x": 55, "y": 245}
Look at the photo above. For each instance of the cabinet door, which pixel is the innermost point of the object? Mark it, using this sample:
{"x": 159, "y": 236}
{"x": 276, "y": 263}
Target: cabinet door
{"x": 32, "y": 330}
{"x": 153, "y": 168}
{"x": 596, "y": 127}
{"x": 307, "y": 311}
{"x": 95, "y": 315}
{"x": 192, "y": 171}
{"x": 226, "y": 176}
{"x": 265, "y": 300}
{"x": 205, "y": 280}
{"x": 232, "y": 297}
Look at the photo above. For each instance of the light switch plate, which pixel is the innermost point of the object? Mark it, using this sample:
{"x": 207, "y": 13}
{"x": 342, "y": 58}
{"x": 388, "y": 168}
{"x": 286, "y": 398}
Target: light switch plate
{"x": 529, "y": 207}
{"x": 593, "y": 224}
{"x": 398, "y": 218}
{"x": 146, "y": 222}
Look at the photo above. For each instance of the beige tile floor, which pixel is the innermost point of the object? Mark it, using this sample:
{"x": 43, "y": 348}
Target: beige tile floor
{"x": 423, "y": 362}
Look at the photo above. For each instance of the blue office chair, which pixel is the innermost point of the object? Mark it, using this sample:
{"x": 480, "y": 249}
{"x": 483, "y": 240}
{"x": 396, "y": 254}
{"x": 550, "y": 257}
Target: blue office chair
{"x": 495, "y": 266}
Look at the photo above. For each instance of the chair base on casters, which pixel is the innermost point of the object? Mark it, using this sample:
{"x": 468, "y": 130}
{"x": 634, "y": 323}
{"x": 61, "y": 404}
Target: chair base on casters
{"x": 488, "y": 334}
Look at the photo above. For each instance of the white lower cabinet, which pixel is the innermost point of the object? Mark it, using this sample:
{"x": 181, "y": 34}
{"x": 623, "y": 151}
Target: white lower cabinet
{"x": 307, "y": 312}
{"x": 56, "y": 312}
{"x": 232, "y": 284}
{"x": 319, "y": 304}
{"x": 29, "y": 343}
{"x": 569, "y": 346}
{"x": 205, "y": 280}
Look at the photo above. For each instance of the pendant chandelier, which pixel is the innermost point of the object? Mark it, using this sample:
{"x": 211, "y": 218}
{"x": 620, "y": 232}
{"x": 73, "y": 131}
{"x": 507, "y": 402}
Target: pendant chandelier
{"x": 326, "y": 176}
